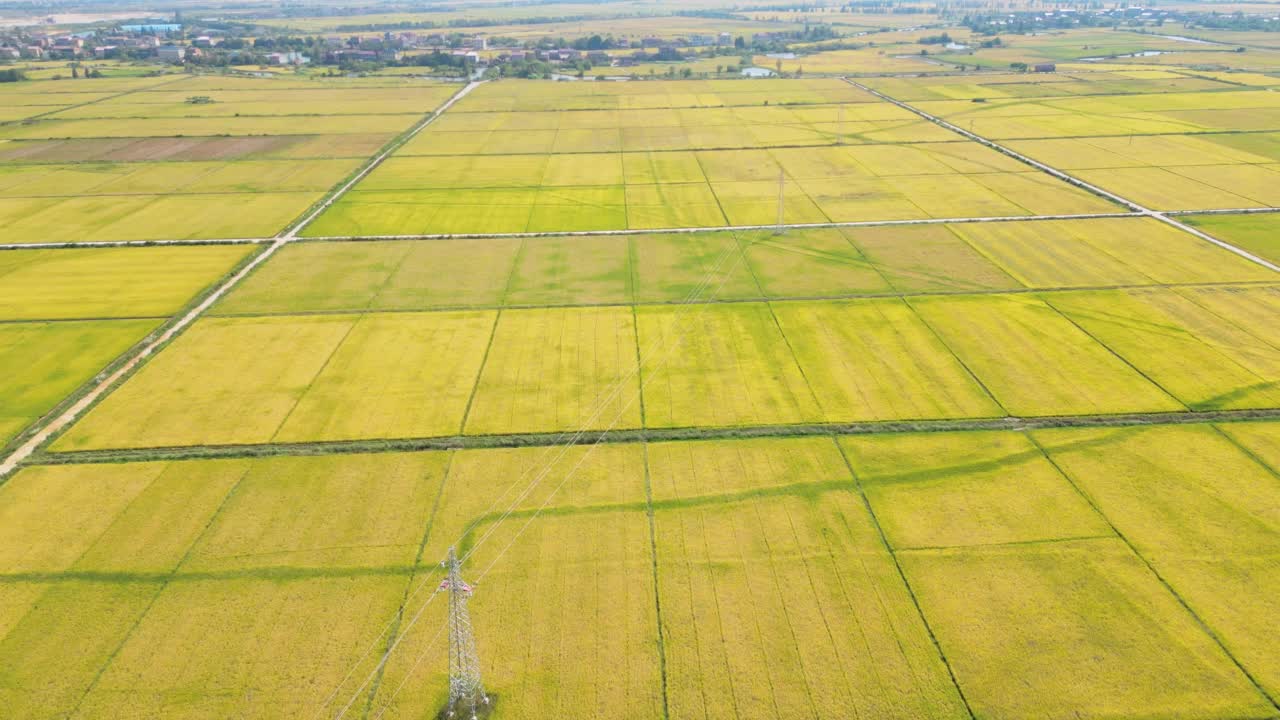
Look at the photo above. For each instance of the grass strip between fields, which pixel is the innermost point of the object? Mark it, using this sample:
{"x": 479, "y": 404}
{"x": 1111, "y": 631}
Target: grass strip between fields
{"x": 553, "y": 439}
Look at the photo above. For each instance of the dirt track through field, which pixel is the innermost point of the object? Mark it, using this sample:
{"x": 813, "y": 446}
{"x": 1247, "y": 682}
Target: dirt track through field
{"x": 103, "y": 384}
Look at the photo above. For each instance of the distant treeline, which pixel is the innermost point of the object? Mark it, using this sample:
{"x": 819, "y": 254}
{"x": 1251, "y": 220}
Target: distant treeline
{"x": 1234, "y": 21}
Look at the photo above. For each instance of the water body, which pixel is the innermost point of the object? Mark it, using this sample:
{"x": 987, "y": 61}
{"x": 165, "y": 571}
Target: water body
{"x": 1144, "y": 53}
{"x": 757, "y": 72}
{"x": 1196, "y": 41}
{"x": 782, "y": 56}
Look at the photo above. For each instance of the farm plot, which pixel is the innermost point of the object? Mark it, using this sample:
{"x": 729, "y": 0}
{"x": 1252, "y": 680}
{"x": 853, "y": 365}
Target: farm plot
{"x": 1255, "y": 310}
{"x": 40, "y": 678}
{"x": 1205, "y": 360}
{"x": 1089, "y": 608}
{"x": 1103, "y": 252}
{"x": 562, "y": 271}
{"x": 1034, "y": 361}
{"x": 1120, "y": 116}
{"x": 149, "y": 217}
{"x": 317, "y": 627}
{"x": 720, "y": 365}
{"x": 52, "y": 128}
{"x": 658, "y": 268}
{"x": 549, "y": 370}
{"x": 1202, "y": 512}
{"x": 691, "y": 268}
{"x": 419, "y": 275}
{"x": 967, "y": 489}
{"x": 373, "y": 385}
{"x": 740, "y": 527}
{"x": 45, "y": 203}
{"x": 172, "y": 178}
{"x": 587, "y": 555}
{"x": 347, "y": 145}
{"x": 118, "y": 190}
{"x": 1262, "y": 439}
{"x": 928, "y": 258}
{"x": 219, "y": 555}
{"x": 867, "y": 60}
{"x": 535, "y": 97}
{"x": 108, "y": 282}
{"x": 132, "y": 522}
{"x": 171, "y": 101}
{"x": 331, "y": 377}
{"x": 43, "y": 362}
{"x": 876, "y": 360}
{"x": 1258, "y": 234}
{"x": 30, "y": 100}
{"x": 810, "y": 262}
{"x": 1060, "y": 84}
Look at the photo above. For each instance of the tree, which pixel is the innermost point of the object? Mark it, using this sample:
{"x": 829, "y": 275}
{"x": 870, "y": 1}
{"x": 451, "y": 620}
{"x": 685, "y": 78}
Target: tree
{"x": 719, "y": 69}
{"x": 800, "y": 71}
{"x": 740, "y": 42}
{"x": 778, "y": 65}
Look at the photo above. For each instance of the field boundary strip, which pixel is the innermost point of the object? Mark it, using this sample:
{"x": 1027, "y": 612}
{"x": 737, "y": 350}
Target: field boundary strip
{"x": 590, "y": 233}
{"x": 1072, "y": 180}
{"x": 648, "y": 435}
{"x": 84, "y": 245}
{"x": 54, "y": 425}
{"x": 729, "y": 228}
{"x": 638, "y": 231}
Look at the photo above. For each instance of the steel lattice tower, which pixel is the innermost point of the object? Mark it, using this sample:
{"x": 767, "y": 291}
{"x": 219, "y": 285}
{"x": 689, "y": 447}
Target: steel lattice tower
{"x": 466, "y": 691}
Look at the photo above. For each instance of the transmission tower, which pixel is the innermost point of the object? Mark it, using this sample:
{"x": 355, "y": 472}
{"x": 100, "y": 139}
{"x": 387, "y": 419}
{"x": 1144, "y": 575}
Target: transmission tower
{"x": 466, "y": 691}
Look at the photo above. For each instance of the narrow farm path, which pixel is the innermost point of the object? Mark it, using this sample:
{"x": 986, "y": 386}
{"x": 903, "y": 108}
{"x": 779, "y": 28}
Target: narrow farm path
{"x": 104, "y": 383}
{"x": 649, "y": 435}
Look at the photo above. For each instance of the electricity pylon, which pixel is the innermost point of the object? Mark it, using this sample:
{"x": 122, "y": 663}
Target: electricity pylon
{"x": 466, "y": 691}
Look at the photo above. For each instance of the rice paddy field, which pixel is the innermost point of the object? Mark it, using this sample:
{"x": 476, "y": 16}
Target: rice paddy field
{"x": 957, "y": 438}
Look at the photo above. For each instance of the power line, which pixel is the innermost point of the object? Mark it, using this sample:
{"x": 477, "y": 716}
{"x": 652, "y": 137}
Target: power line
{"x": 568, "y": 476}
{"x": 691, "y": 300}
